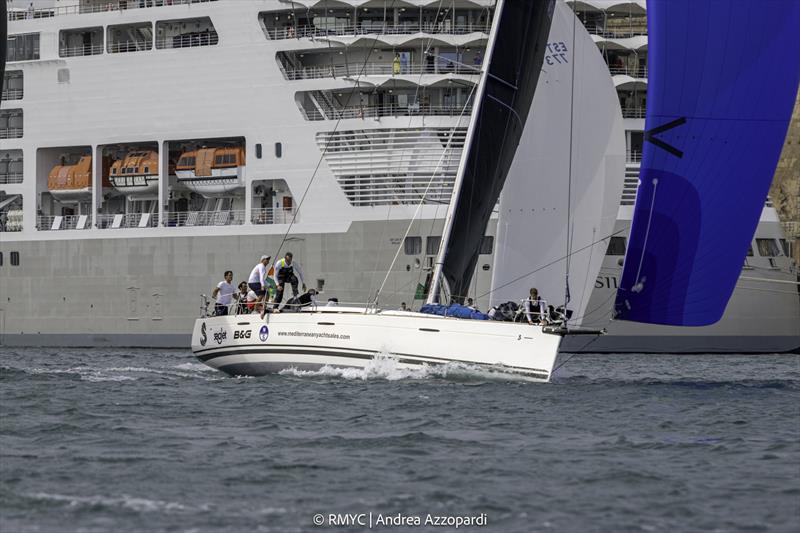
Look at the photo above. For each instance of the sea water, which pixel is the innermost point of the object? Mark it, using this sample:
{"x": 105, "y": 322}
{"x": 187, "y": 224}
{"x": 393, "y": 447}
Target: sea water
{"x": 140, "y": 440}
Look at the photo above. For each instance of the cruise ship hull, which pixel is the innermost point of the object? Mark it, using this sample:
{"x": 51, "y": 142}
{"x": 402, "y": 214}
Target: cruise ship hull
{"x": 146, "y": 292}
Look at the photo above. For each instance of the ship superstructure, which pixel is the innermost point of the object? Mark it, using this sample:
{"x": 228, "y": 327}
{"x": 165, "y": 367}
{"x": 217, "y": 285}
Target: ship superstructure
{"x": 147, "y": 146}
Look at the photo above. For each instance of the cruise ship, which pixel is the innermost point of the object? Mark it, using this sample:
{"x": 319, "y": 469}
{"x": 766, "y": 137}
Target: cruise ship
{"x": 147, "y": 146}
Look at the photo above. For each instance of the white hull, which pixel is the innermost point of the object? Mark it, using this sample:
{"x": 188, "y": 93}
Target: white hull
{"x": 350, "y": 337}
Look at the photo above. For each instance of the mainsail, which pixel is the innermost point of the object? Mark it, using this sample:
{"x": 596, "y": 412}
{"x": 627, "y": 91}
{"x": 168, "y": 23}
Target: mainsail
{"x": 515, "y": 55}
{"x": 723, "y": 77}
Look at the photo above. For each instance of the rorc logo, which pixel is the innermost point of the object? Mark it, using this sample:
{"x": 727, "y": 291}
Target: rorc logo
{"x": 203, "y": 336}
{"x": 242, "y": 334}
{"x": 263, "y": 333}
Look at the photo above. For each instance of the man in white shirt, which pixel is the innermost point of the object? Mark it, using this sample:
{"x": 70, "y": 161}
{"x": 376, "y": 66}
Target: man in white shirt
{"x": 224, "y": 294}
{"x": 258, "y": 281}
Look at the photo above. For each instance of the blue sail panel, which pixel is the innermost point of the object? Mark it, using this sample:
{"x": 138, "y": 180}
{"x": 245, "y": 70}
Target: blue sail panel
{"x": 723, "y": 78}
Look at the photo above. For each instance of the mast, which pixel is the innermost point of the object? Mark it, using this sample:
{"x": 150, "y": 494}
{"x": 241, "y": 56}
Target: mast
{"x": 433, "y": 294}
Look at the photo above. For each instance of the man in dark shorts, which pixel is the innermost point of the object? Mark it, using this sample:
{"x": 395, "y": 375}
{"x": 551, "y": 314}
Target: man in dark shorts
{"x": 287, "y": 272}
{"x": 258, "y": 281}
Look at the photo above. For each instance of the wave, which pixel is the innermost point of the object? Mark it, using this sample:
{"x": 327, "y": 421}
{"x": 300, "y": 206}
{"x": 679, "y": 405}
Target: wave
{"x": 123, "y": 501}
{"x": 384, "y": 367}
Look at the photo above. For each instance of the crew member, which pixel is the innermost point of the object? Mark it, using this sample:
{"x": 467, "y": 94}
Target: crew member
{"x": 287, "y": 271}
{"x": 258, "y": 280}
{"x": 224, "y": 294}
{"x": 535, "y": 309}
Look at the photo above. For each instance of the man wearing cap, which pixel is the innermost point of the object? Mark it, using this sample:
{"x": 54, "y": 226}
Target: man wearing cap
{"x": 258, "y": 280}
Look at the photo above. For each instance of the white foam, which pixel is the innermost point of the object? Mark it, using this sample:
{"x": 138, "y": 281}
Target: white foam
{"x": 390, "y": 369}
{"x": 123, "y": 501}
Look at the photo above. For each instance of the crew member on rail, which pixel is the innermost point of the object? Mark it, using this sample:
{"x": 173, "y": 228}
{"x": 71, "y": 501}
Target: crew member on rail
{"x": 258, "y": 281}
{"x": 287, "y": 271}
{"x": 223, "y": 293}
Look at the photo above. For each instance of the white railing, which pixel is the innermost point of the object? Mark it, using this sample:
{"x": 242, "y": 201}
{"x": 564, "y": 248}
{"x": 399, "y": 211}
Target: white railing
{"x": 204, "y": 218}
{"x": 633, "y": 112}
{"x": 387, "y": 111}
{"x": 131, "y": 220}
{"x": 83, "y": 50}
{"x": 11, "y": 133}
{"x": 615, "y": 34}
{"x": 46, "y": 223}
{"x": 633, "y": 156}
{"x": 11, "y": 177}
{"x": 291, "y": 32}
{"x": 272, "y": 215}
{"x": 12, "y": 94}
{"x": 188, "y": 41}
{"x": 341, "y": 71}
{"x": 130, "y": 46}
{"x": 640, "y": 72}
{"x": 110, "y": 5}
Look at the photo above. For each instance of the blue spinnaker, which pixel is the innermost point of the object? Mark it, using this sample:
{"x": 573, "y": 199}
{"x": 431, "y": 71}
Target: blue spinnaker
{"x": 723, "y": 78}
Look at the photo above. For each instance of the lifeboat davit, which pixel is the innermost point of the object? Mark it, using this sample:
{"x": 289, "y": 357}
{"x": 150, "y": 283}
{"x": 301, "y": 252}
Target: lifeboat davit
{"x": 73, "y": 183}
{"x": 137, "y": 174}
{"x": 212, "y": 172}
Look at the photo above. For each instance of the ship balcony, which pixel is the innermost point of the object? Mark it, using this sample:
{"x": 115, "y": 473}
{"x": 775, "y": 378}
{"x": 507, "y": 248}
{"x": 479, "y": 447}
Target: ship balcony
{"x": 633, "y": 112}
{"x": 130, "y": 38}
{"x": 612, "y": 19}
{"x": 80, "y": 42}
{"x": 130, "y": 220}
{"x": 360, "y": 66}
{"x": 395, "y": 101}
{"x": 11, "y": 124}
{"x": 632, "y": 72}
{"x": 409, "y": 110}
{"x": 65, "y": 222}
{"x": 13, "y": 85}
{"x": 459, "y": 18}
{"x": 186, "y": 33}
{"x": 273, "y": 215}
{"x": 93, "y": 6}
{"x": 10, "y": 167}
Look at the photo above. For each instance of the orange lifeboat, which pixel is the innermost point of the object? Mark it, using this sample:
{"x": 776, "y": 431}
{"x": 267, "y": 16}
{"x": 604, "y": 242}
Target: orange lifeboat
{"x": 212, "y": 172}
{"x": 136, "y": 174}
{"x": 73, "y": 182}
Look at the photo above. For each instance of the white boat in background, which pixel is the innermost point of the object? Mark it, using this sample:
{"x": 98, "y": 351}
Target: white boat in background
{"x": 352, "y": 337}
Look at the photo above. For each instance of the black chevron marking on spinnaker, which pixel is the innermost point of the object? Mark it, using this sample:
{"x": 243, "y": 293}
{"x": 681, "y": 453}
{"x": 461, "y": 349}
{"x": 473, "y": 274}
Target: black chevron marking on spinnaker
{"x": 650, "y": 136}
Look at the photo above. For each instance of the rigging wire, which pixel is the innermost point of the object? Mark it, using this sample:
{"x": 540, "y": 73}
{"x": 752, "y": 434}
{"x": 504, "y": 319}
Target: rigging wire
{"x": 551, "y": 263}
{"x": 327, "y": 143}
{"x": 410, "y": 120}
{"x": 569, "y": 235}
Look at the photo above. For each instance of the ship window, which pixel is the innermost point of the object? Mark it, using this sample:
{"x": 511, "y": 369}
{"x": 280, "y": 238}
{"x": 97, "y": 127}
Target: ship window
{"x": 785, "y": 246}
{"x": 767, "y": 247}
{"x": 1, "y": 259}
{"x": 113, "y": 170}
{"x": 487, "y": 244}
{"x": 413, "y": 245}
{"x": 258, "y": 151}
{"x": 278, "y": 150}
{"x": 750, "y": 251}
{"x": 22, "y": 47}
{"x": 616, "y": 246}
{"x": 14, "y": 258}
{"x": 432, "y": 245}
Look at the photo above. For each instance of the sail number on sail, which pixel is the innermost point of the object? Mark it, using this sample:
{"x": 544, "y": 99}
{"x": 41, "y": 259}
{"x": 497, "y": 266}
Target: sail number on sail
{"x": 556, "y": 53}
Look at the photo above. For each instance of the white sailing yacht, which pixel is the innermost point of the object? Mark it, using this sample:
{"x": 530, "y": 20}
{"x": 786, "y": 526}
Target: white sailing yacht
{"x": 352, "y": 336}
